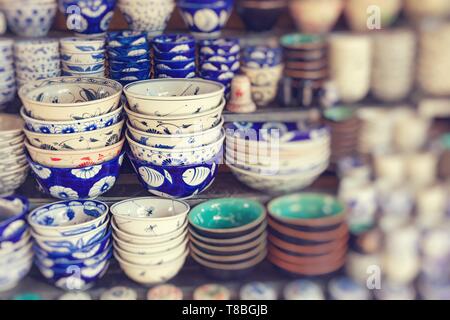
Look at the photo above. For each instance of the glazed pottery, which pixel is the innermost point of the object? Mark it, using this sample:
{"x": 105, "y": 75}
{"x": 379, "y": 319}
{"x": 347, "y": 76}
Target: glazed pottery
{"x": 316, "y": 16}
{"x": 260, "y": 16}
{"x": 303, "y": 290}
{"x": 173, "y": 43}
{"x": 360, "y": 13}
{"x": 81, "y": 45}
{"x": 12, "y": 274}
{"x": 13, "y": 211}
{"x": 7, "y": 72}
{"x": 241, "y": 100}
{"x": 344, "y": 288}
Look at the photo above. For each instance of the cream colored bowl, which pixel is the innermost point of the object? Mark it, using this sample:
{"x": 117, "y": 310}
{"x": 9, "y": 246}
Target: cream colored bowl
{"x": 10, "y": 126}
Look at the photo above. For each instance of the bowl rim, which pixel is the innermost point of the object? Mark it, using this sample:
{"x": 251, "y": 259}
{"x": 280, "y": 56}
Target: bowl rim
{"x": 231, "y": 267}
{"x": 63, "y": 228}
{"x": 123, "y": 252}
{"x": 30, "y": 86}
{"x": 308, "y": 249}
{"x": 261, "y": 215}
{"x": 186, "y": 210}
{"x": 220, "y": 89}
{"x": 163, "y": 266}
{"x": 305, "y": 261}
{"x": 229, "y": 258}
{"x": 18, "y": 216}
{"x": 181, "y": 236}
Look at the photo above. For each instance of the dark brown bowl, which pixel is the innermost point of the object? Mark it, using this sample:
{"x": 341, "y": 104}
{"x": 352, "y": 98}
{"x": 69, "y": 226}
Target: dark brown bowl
{"x": 310, "y": 270}
{"x": 308, "y": 249}
{"x": 307, "y": 260}
{"x": 229, "y": 259}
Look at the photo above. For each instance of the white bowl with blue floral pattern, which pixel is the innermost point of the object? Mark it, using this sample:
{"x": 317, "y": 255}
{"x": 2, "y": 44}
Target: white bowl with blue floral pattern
{"x": 70, "y": 98}
{"x": 67, "y": 218}
{"x": 82, "y": 45}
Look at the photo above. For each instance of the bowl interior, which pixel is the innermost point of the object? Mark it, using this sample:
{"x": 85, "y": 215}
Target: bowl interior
{"x": 225, "y": 213}
{"x": 149, "y": 208}
{"x": 305, "y": 206}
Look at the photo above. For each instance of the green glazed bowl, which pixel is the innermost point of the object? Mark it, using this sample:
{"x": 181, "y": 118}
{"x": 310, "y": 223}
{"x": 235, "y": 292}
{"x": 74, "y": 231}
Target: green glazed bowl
{"x": 308, "y": 209}
{"x": 226, "y": 218}
{"x": 339, "y": 114}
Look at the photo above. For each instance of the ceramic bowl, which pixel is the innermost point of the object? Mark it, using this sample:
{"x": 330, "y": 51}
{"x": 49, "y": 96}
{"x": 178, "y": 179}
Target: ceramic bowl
{"x": 260, "y": 16}
{"x": 72, "y": 184}
{"x": 132, "y": 51}
{"x": 12, "y": 180}
{"x": 16, "y": 255}
{"x": 176, "y": 181}
{"x": 95, "y": 74}
{"x": 175, "y": 96}
{"x": 148, "y": 275}
{"x": 73, "y": 126}
{"x": 229, "y": 258}
{"x": 83, "y": 68}
{"x": 10, "y": 127}
{"x": 67, "y": 218}
{"x": 68, "y": 244}
{"x": 151, "y": 16}
{"x": 141, "y": 74}
{"x": 219, "y": 47}
{"x": 149, "y": 216}
{"x": 205, "y": 19}
{"x": 126, "y": 38}
{"x": 13, "y": 210}
{"x": 226, "y": 218}
{"x": 93, "y": 17}
{"x": 81, "y": 45}
{"x": 15, "y": 243}
{"x": 175, "y": 73}
{"x": 116, "y": 66}
{"x": 264, "y": 76}
{"x": 33, "y": 19}
{"x": 176, "y": 141}
{"x": 217, "y": 66}
{"x": 174, "y": 42}
{"x": 76, "y": 98}
{"x": 13, "y": 142}
{"x": 74, "y": 159}
{"x": 10, "y": 276}
{"x": 170, "y": 125}
{"x": 83, "y": 58}
{"x": 175, "y": 56}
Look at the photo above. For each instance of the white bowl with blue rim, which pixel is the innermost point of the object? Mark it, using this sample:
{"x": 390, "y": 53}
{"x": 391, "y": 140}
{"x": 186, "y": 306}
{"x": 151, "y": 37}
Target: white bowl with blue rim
{"x": 13, "y": 210}
{"x": 70, "y": 98}
{"x": 13, "y": 273}
{"x": 176, "y": 141}
{"x": 174, "y": 96}
{"x": 67, "y": 218}
{"x": 175, "y": 157}
{"x": 175, "y": 181}
{"x": 149, "y": 216}
{"x": 84, "y": 183}
{"x": 174, "y": 42}
{"x": 82, "y": 45}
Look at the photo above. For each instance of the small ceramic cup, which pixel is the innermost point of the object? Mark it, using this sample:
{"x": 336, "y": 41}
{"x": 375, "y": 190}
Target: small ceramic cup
{"x": 241, "y": 95}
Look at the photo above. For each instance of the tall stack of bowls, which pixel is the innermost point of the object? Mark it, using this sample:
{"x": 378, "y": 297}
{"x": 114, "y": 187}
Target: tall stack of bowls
{"x": 74, "y": 130}
{"x": 308, "y": 234}
{"x": 205, "y": 18}
{"x": 16, "y": 254}
{"x": 228, "y": 237}
{"x": 83, "y": 57}
{"x": 13, "y": 163}
{"x": 277, "y": 157}
{"x": 8, "y": 85}
{"x": 29, "y": 18}
{"x": 219, "y": 60}
{"x": 175, "y": 134}
{"x": 72, "y": 242}
{"x": 128, "y": 56}
{"x": 264, "y": 67}
{"x": 150, "y": 238}
{"x": 260, "y": 15}
{"x": 174, "y": 56}
{"x": 150, "y": 16}
{"x": 306, "y": 65}
{"x": 36, "y": 59}
{"x": 87, "y": 17}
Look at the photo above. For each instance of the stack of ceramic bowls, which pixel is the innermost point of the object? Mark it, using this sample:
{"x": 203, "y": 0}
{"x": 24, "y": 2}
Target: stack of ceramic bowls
{"x": 344, "y": 127}
{"x": 72, "y": 242}
{"x": 228, "y": 237}
{"x": 219, "y": 60}
{"x": 260, "y": 15}
{"x": 308, "y": 234}
{"x": 74, "y": 131}
{"x": 13, "y": 164}
{"x": 150, "y": 16}
{"x": 306, "y": 64}
{"x": 205, "y": 18}
{"x": 83, "y": 57}
{"x": 150, "y": 238}
{"x": 316, "y": 16}
{"x": 8, "y": 86}
{"x": 128, "y": 56}
{"x": 277, "y": 157}
{"x": 36, "y": 59}
{"x": 174, "y": 56}
{"x": 175, "y": 134}
{"x": 16, "y": 254}
{"x": 29, "y": 18}
{"x": 357, "y": 11}
{"x": 263, "y": 65}
{"x": 87, "y": 17}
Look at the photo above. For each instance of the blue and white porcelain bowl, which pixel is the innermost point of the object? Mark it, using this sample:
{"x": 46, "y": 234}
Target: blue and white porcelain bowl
{"x": 131, "y": 74}
{"x": 262, "y": 56}
{"x": 95, "y": 74}
{"x": 12, "y": 180}
{"x": 176, "y": 157}
{"x": 162, "y": 65}
{"x": 131, "y": 51}
{"x": 175, "y": 73}
{"x": 83, "y": 58}
{"x": 205, "y": 19}
{"x": 12, "y": 274}
{"x": 87, "y": 17}
{"x": 29, "y": 48}
{"x": 84, "y": 68}
{"x": 67, "y": 218}
{"x": 9, "y": 247}
{"x": 68, "y": 127}
{"x": 220, "y": 66}
{"x": 16, "y": 255}
{"x": 30, "y": 19}
{"x": 173, "y": 43}
{"x": 176, "y": 181}
{"x": 151, "y": 16}
{"x": 126, "y": 38}
{"x": 219, "y": 47}
{"x": 226, "y": 58}
{"x": 13, "y": 210}
{"x": 82, "y": 45}
{"x": 175, "y": 56}
{"x": 117, "y": 66}
{"x": 74, "y": 184}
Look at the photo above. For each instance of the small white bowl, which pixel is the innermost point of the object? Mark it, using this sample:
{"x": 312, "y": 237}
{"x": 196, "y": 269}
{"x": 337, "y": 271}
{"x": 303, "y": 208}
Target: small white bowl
{"x": 149, "y": 275}
{"x": 149, "y": 216}
{"x": 81, "y": 45}
{"x": 173, "y": 97}
{"x": 11, "y": 126}
{"x": 13, "y": 142}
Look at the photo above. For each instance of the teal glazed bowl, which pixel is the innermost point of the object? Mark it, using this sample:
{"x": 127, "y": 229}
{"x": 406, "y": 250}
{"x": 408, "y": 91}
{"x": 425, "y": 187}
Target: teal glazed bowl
{"x": 226, "y": 218}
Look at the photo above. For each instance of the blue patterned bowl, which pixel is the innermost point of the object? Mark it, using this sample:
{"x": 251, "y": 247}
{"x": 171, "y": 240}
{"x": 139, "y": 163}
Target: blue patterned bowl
{"x": 175, "y": 56}
{"x": 173, "y": 43}
{"x": 83, "y": 58}
{"x": 142, "y": 74}
{"x": 176, "y": 73}
{"x": 131, "y": 51}
{"x": 82, "y": 45}
{"x": 131, "y": 59}
{"x": 262, "y": 56}
{"x": 95, "y": 67}
{"x": 90, "y": 17}
{"x": 126, "y": 38}
{"x": 176, "y": 181}
{"x": 80, "y": 183}
{"x": 121, "y": 66}
{"x": 67, "y": 218}
{"x": 221, "y": 46}
{"x": 220, "y": 66}
{"x": 13, "y": 210}
{"x": 169, "y": 64}
{"x": 205, "y": 19}
{"x": 11, "y": 275}
{"x": 228, "y": 58}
